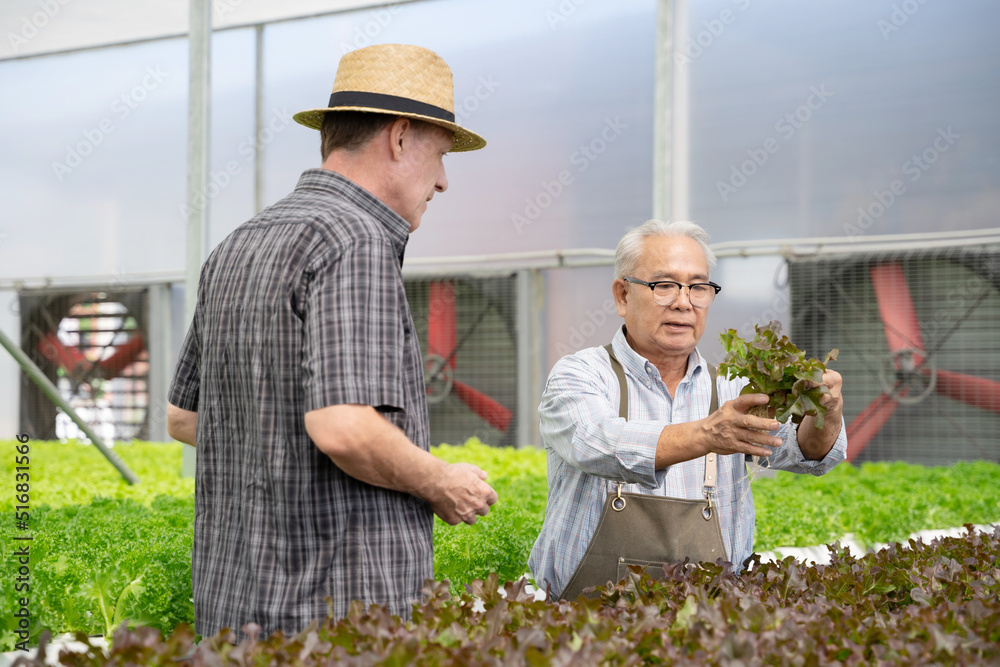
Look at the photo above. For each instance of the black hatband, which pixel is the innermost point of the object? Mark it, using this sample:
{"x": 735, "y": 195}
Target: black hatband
{"x": 355, "y": 98}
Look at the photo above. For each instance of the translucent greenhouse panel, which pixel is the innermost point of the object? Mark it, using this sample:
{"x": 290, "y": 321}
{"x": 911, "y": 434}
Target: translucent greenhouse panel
{"x": 95, "y": 172}
{"x": 46, "y": 26}
{"x": 98, "y": 187}
{"x": 229, "y": 194}
{"x": 564, "y": 102}
{"x": 843, "y": 119}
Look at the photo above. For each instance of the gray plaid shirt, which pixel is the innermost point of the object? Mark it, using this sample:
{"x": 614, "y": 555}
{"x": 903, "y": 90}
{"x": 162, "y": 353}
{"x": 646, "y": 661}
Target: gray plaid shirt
{"x": 300, "y": 308}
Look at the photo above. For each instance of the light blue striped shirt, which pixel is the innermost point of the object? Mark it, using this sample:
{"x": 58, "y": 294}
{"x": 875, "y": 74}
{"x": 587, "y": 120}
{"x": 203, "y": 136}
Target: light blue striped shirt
{"x": 590, "y": 448}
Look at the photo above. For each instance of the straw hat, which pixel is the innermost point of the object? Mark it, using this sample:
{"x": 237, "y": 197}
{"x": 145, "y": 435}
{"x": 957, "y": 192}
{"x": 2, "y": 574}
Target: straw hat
{"x": 400, "y": 80}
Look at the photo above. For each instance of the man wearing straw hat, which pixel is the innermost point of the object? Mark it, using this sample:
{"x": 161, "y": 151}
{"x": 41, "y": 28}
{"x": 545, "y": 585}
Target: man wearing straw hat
{"x": 301, "y": 378}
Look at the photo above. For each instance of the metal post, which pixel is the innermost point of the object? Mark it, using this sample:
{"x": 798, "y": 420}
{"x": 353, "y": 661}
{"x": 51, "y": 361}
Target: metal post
{"x": 258, "y": 157}
{"x": 50, "y": 390}
{"x": 662, "y": 111}
{"x": 199, "y": 38}
{"x": 199, "y": 43}
{"x": 529, "y": 384}
{"x": 159, "y": 361}
{"x": 680, "y": 136}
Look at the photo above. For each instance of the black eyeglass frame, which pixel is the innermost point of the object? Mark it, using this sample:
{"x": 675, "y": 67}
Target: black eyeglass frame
{"x": 680, "y": 286}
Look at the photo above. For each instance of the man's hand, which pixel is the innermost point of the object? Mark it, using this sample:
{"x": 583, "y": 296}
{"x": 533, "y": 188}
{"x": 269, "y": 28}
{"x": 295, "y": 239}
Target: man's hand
{"x": 816, "y": 443}
{"x": 833, "y": 401}
{"x": 730, "y": 430}
{"x": 459, "y": 493}
{"x": 367, "y": 447}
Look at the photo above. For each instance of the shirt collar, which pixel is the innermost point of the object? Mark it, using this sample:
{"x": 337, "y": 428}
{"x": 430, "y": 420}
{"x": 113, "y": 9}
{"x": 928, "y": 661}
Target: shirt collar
{"x": 640, "y": 367}
{"x": 330, "y": 182}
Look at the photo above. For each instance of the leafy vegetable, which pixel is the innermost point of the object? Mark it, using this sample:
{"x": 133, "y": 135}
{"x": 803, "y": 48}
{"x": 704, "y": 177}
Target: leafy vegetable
{"x": 75, "y": 473}
{"x": 500, "y": 541}
{"x": 94, "y": 535}
{"x": 876, "y": 502}
{"x": 929, "y": 604}
{"x": 113, "y": 610}
{"x": 93, "y": 566}
{"x": 777, "y": 368}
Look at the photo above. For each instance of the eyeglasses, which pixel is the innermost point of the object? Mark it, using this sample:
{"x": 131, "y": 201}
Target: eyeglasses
{"x": 665, "y": 292}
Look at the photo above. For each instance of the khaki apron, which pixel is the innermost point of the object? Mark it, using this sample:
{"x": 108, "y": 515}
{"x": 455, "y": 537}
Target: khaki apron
{"x": 648, "y": 531}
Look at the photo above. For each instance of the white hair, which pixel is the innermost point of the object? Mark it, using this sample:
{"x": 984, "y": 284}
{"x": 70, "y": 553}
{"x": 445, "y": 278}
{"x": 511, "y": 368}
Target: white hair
{"x": 630, "y": 247}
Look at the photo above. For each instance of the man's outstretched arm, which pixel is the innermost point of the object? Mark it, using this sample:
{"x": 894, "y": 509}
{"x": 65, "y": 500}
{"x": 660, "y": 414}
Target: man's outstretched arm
{"x": 367, "y": 447}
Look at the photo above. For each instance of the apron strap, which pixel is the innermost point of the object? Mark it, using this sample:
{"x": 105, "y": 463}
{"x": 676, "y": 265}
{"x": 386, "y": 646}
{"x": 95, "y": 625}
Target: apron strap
{"x": 616, "y": 366}
{"x": 711, "y": 459}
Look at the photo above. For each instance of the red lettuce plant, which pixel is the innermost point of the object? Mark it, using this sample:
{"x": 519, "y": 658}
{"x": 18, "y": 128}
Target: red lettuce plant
{"x": 777, "y": 368}
{"x": 915, "y": 604}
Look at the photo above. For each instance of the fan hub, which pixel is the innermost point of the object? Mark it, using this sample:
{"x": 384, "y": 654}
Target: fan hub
{"x": 437, "y": 377}
{"x": 908, "y": 376}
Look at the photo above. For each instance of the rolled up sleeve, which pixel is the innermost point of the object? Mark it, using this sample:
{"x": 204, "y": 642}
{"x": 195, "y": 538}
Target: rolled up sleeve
{"x": 790, "y": 458}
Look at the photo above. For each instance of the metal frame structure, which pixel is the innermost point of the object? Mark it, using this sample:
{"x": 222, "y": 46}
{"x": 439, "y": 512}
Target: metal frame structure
{"x": 529, "y": 268}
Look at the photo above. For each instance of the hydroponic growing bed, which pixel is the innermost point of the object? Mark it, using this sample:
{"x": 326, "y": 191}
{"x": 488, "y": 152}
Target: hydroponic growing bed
{"x": 104, "y": 552}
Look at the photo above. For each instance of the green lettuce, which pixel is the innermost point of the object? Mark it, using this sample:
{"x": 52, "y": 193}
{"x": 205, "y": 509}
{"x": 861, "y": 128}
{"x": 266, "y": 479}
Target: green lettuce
{"x": 777, "y": 368}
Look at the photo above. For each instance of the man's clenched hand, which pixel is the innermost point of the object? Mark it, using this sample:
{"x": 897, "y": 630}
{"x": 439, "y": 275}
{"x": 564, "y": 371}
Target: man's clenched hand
{"x": 730, "y": 430}
{"x": 459, "y": 493}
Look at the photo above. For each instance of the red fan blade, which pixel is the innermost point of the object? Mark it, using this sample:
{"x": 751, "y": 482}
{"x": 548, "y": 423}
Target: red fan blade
{"x": 123, "y": 356}
{"x": 491, "y": 411}
{"x": 866, "y": 425}
{"x": 68, "y": 357}
{"x": 895, "y": 306}
{"x": 980, "y": 392}
{"x": 441, "y": 320}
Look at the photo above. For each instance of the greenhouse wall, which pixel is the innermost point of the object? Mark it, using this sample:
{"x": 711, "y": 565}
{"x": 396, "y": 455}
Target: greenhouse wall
{"x": 847, "y": 120}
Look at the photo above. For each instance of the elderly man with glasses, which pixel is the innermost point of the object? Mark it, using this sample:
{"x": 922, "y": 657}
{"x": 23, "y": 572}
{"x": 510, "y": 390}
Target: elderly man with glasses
{"x": 671, "y": 442}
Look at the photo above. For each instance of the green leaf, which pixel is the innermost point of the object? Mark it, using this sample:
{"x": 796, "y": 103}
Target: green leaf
{"x": 133, "y": 589}
{"x": 774, "y": 366}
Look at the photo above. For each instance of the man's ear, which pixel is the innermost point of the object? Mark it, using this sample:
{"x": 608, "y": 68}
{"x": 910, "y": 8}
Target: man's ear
{"x": 620, "y": 291}
{"x": 400, "y": 135}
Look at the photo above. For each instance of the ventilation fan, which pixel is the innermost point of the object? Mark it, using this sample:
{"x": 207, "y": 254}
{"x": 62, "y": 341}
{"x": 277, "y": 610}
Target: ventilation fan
{"x": 90, "y": 345}
{"x": 468, "y": 338}
{"x": 919, "y": 334}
